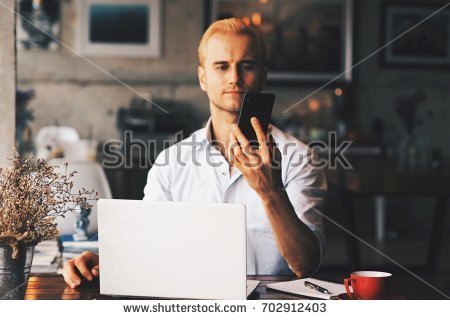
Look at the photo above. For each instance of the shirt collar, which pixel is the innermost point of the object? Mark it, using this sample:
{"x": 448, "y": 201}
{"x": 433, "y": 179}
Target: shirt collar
{"x": 204, "y": 135}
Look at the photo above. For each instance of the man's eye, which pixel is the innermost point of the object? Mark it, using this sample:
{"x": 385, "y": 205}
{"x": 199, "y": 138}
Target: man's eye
{"x": 247, "y": 67}
{"x": 222, "y": 67}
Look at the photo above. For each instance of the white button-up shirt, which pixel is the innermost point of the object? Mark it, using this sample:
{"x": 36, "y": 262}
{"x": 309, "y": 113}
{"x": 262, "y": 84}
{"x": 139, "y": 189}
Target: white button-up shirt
{"x": 194, "y": 171}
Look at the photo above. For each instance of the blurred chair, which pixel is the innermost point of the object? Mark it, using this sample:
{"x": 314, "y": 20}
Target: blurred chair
{"x": 49, "y": 141}
{"x": 83, "y": 149}
{"x": 90, "y": 176}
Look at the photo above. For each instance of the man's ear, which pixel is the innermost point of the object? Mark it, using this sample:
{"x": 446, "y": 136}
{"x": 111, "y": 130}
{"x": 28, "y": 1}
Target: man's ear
{"x": 202, "y": 77}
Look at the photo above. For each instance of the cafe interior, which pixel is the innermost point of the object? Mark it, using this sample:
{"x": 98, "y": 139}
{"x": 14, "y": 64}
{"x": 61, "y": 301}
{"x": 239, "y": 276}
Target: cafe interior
{"x": 89, "y": 80}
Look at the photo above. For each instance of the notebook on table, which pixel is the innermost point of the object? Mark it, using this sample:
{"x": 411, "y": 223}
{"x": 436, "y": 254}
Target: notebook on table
{"x": 298, "y": 287}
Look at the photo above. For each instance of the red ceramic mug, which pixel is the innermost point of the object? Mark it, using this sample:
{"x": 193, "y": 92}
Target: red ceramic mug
{"x": 368, "y": 285}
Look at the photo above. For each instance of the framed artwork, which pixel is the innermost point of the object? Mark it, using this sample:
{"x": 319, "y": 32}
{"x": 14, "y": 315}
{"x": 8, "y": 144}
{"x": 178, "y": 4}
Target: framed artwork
{"x": 38, "y": 25}
{"x": 119, "y": 28}
{"x": 305, "y": 40}
{"x": 420, "y": 35}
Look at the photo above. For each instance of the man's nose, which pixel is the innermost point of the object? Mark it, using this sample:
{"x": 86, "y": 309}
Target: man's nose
{"x": 234, "y": 76}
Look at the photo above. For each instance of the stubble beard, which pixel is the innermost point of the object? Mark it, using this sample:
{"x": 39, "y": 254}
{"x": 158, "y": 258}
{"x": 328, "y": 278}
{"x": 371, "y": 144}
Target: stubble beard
{"x": 220, "y": 107}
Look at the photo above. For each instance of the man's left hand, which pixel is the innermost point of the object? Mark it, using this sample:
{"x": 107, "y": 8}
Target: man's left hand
{"x": 260, "y": 167}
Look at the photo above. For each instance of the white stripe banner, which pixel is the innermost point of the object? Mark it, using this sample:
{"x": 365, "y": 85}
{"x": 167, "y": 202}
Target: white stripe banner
{"x": 206, "y": 309}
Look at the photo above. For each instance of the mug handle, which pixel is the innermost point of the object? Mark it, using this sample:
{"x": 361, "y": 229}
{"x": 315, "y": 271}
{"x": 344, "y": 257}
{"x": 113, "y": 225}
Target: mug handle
{"x": 348, "y": 284}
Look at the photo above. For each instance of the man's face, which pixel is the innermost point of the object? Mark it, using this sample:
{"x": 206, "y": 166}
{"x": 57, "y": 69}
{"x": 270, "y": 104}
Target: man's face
{"x": 231, "y": 68}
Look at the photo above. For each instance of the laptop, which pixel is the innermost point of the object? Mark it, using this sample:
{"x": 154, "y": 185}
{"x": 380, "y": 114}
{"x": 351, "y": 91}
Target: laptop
{"x": 172, "y": 249}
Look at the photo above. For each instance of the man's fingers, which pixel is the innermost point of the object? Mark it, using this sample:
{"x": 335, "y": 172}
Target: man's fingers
{"x": 80, "y": 263}
{"x": 259, "y": 132}
{"x": 79, "y": 267}
{"x": 236, "y": 163}
{"x": 96, "y": 271}
{"x": 70, "y": 275}
{"x": 246, "y": 147}
{"x": 243, "y": 141}
{"x": 271, "y": 141}
{"x": 235, "y": 147}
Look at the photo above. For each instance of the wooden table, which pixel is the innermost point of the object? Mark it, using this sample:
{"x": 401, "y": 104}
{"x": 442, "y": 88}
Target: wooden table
{"x": 53, "y": 287}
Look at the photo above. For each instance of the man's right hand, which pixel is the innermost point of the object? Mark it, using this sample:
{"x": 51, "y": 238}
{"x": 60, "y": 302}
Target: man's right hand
{"x": 85, "y": 266}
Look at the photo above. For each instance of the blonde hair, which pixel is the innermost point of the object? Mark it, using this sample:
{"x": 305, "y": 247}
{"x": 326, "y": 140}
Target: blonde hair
{"x": 232, "y": 25}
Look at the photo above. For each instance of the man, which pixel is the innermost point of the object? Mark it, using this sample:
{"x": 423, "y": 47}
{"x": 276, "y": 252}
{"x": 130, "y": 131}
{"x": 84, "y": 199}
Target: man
{"x": 216, "y": 164}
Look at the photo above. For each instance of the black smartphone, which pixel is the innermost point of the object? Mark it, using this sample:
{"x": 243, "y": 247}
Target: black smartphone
{"x": 257, "y": 105}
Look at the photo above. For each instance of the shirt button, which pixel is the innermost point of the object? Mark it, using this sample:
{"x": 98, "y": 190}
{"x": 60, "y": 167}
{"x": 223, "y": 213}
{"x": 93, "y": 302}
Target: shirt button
{"x": 223, "y": 173}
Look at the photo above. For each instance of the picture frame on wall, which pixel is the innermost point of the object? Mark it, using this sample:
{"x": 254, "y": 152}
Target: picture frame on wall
{"x": 38, "y": 25}
{"x": 119, "y": 28}
{"x": 418, "y": 35}
{"x": 305, "y": 40}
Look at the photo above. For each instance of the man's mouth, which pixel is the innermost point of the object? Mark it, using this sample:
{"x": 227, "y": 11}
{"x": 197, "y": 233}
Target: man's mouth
{"x": 235, "y": 92}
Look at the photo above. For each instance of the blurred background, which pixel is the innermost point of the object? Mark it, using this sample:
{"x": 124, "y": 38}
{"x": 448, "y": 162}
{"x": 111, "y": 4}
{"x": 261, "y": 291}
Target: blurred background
{"x": 374, "y": 72}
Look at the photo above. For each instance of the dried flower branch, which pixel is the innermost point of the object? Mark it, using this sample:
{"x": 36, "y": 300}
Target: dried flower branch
{"x": 32, "y": 196}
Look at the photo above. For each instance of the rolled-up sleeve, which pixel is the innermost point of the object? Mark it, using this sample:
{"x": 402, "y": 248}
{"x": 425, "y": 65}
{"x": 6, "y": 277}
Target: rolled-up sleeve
{"x": 306, "y": 187}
